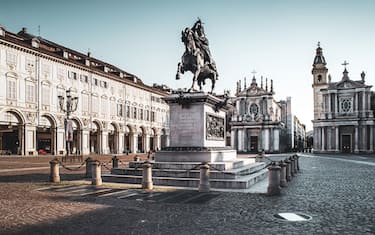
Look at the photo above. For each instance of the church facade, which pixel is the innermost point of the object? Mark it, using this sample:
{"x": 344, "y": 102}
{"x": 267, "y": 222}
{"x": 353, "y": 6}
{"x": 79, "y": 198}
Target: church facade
{"x": 343, "y": 111}
{"x": 116, "y": 112}
{"x": 259, "y": 122}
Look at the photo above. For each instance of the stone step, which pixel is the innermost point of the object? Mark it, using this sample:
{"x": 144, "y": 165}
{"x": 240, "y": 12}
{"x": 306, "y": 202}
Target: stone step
{"x": 214, "y": 173}
{"x": 243, "y": 182}
{"x": 223, "y": 166}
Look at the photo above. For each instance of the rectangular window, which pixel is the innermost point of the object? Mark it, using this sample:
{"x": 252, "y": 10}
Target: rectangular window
{"x": 85, "y": 103}
{"x": 95, "y": 81}
{"x": 134, "y": 112}
{"x": 72, "y": 75}
{"x": 30, "y": 92}
{"x": 120, "y": 111}
{"x": 11, "y": 89}
{"x": 141, "y": 114}
{"x": 95, "y": 104}
{"x": 128, "y": 111}
{"x": 147, "y": 115}
{"x": 11, "y": 58}
{"x": 84, "y": 78}
{"x": 152, "y": 116}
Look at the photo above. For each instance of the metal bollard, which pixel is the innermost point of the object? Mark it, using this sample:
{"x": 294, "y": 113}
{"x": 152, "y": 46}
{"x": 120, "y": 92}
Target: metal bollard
{"x": 288, "y": 170}
{"x": 88, "y": 167}
{"x": 204, "y": 178}
{"x": 147, "y": 176}
{"x": 283, "y": 182}
{"x": 96, "y": 173}
{"x": 273, "y": 180}
{"x": 55, "y": 174}
{"x": 115, "y": 162}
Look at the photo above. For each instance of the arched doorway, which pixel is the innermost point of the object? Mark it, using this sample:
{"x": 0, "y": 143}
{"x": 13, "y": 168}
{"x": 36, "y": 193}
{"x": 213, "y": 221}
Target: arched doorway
{"x": 45, "y": 135}
{"x": 127, "y": 140}
{"x": 112, "y": 138}
{"x": 95, "y": 138}
{"x": 141, "y": 140}
{"x": 11, "y": 133}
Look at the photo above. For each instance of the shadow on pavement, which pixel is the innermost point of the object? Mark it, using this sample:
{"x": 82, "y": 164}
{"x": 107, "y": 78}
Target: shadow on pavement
{"x": 36, "y": 177}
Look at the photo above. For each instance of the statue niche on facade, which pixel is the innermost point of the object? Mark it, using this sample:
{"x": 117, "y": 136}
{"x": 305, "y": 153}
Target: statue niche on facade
{"x": 197, "y": 57}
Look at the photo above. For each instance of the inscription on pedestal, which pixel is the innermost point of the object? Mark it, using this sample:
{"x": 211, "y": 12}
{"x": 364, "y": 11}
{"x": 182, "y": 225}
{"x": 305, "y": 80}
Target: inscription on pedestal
{"x": 215, "y": 127}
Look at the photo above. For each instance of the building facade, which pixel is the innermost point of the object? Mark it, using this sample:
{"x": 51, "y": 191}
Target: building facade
{"x": 343, "y": 111}
{"x": 116, "y": 112}
{"x": 257, "y": 121}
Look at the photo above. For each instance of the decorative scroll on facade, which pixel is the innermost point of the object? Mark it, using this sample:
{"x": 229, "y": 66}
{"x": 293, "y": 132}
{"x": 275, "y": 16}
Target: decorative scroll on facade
{"x": 215, "y": 127}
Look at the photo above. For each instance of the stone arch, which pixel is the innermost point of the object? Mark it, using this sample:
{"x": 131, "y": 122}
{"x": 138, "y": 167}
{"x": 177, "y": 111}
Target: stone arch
{"x": 76, "y": 147}
{"x": 113, "y": 132}
{"x": 46, "y": 134}
{"x": 12, "y": 128}
{"x": 96, "y": 128}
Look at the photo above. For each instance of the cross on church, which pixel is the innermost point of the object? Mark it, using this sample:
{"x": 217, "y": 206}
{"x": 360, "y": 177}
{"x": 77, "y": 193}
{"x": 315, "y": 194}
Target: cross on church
{"x": 345, "y": 63}
{"x": 254, "y": 72}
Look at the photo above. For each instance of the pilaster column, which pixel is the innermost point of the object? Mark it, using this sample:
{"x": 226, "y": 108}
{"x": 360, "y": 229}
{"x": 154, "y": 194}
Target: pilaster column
{"x": 356, "y": 139}
{"x": 133, "y": 142}
{"x": 323, "y": 139}
{"x": 371, "y": 138}
{"x": 337, "y": 139}
{"x": 146, "y": 143}
{"x": 240, "y": 140}
{"x": 356, "y": 103}
{"x": 271, "y": 139}
{"x": 329, "y": 106}
{"x": 30, "y": 140}
{"x": 104, "y": 142}
{"x": 336, "y": 104}
{"x": 329, "y": 138}
{"x": 85, "y": 142}
{"x": 233, "y": 138}
{"x": 121, "y": 138}
{"x": 364, "y": 139}
{"x": 363, "y": 103}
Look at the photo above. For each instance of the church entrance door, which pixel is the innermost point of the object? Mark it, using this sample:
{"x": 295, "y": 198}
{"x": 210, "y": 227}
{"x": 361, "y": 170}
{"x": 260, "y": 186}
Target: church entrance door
{"x": 346, "y": 143}
{"x": 254, "y": 144}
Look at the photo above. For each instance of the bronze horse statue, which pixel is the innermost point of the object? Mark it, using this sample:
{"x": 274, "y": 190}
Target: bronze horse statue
{"x": 193, "y": 60}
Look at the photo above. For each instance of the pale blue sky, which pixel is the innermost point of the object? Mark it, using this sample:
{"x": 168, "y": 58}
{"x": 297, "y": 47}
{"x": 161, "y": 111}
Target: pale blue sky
{"x": 276, "y": 38}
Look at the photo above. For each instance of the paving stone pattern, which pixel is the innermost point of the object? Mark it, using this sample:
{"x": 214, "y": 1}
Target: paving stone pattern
{"x": 338, "y": 195}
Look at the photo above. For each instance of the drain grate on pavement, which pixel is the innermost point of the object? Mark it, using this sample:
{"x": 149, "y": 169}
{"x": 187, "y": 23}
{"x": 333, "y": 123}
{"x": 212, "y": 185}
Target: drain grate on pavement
{"x": 292, "y": 217}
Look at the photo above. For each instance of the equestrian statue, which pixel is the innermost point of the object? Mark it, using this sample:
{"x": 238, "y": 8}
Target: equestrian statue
{"x": 197, "y": 57}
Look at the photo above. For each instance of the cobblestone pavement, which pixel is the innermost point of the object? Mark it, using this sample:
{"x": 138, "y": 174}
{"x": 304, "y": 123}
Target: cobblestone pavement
{"x": 337, "y": 194}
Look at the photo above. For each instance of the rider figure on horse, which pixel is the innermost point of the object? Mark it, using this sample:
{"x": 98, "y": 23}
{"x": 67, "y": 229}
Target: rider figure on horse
{"x": 202, "y": 43}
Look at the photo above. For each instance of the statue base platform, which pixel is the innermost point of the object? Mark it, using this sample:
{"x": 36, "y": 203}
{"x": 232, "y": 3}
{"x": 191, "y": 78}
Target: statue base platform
{"x": 183, "y": 154}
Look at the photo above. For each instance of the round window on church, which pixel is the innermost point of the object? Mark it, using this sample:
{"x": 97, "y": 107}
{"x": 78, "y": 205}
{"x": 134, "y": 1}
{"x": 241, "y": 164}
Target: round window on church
{"x": 254, "y": 109}
{"x": 346, "y": 105}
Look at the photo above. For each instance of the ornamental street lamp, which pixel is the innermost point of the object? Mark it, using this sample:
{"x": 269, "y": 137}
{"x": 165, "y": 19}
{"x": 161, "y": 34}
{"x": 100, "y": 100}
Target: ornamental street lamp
{"x": 68, "y": 107}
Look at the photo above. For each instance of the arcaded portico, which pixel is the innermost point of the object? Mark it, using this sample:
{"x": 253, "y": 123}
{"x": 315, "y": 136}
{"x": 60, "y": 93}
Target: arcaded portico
{"x": 116, "y": 112}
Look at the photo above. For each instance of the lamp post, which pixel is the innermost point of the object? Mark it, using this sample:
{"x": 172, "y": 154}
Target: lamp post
{"x": 68, "y": 107}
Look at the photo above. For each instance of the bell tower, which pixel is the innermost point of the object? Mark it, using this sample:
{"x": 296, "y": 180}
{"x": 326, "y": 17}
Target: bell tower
{"x": 319, "y": 73}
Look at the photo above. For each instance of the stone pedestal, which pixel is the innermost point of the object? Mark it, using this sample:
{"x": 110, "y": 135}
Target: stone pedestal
{"x": 197, "y": 130}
